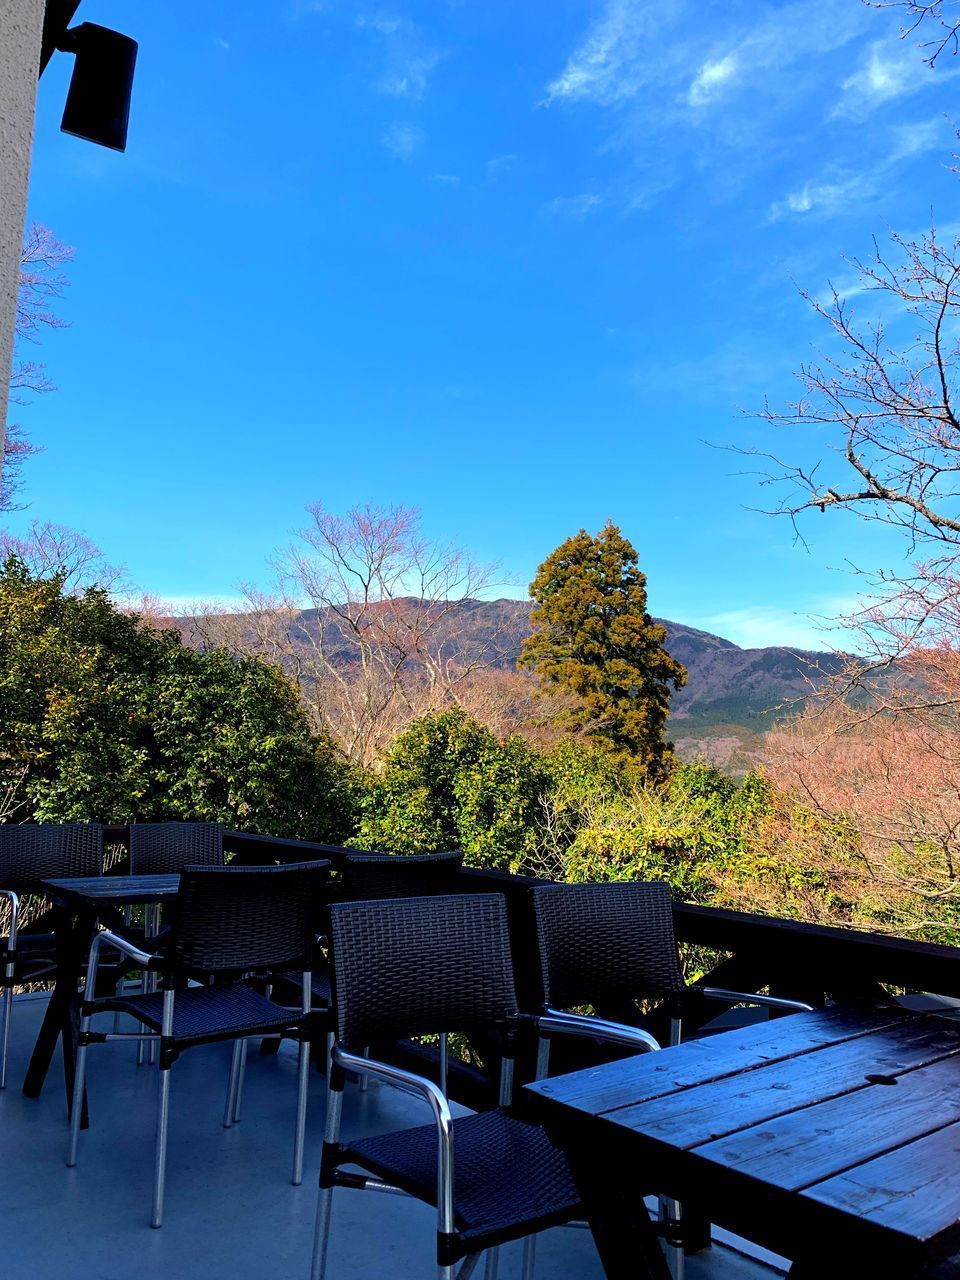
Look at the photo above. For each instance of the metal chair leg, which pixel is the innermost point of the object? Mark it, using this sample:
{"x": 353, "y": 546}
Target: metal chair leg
{"x": 303, "y": 1081}
{"x": 240, "y": 1078}
{"x": 76, "y": 1111}
{"x": 230, "y": 1105}
{"x": 321, "y": 1236}
{"x": 5, "y": 1016}
{"x": 365, "y": 1080}
{"x": 529, "y": 1257}
{"x": 160, "y": 1165}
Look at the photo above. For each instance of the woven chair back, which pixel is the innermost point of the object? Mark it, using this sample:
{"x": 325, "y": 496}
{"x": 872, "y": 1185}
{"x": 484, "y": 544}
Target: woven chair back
{"x": 420, "y": 966}
{"x": 364, "y": 876}
{"x": 30, "y": 852}
{"x": 606, "y": 944}
{"x": 162, "y": 848}
{"x": 238, "y": 919}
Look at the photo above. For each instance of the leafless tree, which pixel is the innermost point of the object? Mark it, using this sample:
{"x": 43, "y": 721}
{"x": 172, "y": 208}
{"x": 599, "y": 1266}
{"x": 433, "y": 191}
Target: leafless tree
{"x": 940, "y": 19}
{"x": 47, "y": 549}
{"x": 42, "y": 281}
{"x": 372, "y": 619}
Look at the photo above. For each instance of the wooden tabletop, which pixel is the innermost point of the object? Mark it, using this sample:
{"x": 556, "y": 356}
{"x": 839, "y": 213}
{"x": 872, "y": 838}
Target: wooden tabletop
{"x": 840, "y": 1122}
{"x": 113, "y": 891}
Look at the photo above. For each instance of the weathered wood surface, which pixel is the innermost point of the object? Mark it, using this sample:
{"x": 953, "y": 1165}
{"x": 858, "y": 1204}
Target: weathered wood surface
{"x": 836, "y": 1142}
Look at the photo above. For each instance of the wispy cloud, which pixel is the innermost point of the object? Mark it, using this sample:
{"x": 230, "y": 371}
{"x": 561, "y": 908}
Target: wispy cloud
{"x": 574, "y": 206}
{"x": 886, "y": 72}
{"x": 710, "y": 81}
{"x": 757, "y": 626}
{"x": 411, "y": 58}
{"x": 403, "y": 140}
{"x": 825, "y": 198}
{"x": 500, "y": 164}
{"x": 614, "y": 61}
{"x": 446, "y": 179}
{"x": 221, "y": 43}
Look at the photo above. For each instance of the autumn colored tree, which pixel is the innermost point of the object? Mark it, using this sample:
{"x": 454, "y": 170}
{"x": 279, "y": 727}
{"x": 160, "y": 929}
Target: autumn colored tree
{"x": 593, "y": 637}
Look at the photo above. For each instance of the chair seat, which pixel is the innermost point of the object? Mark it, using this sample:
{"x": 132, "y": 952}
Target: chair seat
{"x": 508, "y": 1180}
{"x": 321, "y": 993}
{"x": 207, "y": 1013}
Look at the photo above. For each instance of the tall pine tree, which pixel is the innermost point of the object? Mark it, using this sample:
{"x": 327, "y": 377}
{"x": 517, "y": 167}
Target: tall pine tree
{"x": 593, "y": 637}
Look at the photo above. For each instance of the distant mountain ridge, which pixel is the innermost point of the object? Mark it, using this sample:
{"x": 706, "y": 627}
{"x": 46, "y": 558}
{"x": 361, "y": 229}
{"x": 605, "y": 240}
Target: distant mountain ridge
{"x": 732, "y": 695}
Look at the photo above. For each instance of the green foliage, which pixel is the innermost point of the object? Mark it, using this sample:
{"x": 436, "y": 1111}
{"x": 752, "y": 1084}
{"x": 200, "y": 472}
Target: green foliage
{"x": 102, "y": 718}
{"x": 593, "y": 637}
{"x": 448, "y": 783}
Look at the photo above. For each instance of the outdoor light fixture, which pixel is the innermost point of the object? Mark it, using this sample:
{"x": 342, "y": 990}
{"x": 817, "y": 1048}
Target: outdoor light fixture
{"x": 98, "y": 101}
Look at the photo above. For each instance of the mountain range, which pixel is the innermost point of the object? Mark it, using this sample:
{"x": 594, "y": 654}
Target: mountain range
{"x": 732, "y": 696}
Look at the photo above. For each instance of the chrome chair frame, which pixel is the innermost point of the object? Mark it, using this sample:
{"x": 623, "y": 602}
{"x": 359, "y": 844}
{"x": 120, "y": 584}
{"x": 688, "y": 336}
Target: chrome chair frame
{"x": 232, "y": 1108}
{"x": 547, "y": 1025}
{"x": 6, "y": 1010}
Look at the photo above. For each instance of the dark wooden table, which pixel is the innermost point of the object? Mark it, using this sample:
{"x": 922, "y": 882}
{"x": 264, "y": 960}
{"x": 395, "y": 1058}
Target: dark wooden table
{"x": 78, "y": 904}
{"x": 832, "y": 1138}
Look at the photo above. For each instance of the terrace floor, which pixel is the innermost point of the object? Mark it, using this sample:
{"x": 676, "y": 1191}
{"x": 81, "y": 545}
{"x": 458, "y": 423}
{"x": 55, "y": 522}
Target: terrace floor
{"x": 230, "y": 1211}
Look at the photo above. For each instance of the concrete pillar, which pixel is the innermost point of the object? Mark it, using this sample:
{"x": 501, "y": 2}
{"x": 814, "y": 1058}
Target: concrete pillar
{"x": 21, "y": 26}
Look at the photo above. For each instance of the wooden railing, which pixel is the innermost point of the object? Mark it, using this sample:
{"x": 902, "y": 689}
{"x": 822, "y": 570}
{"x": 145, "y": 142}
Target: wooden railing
{"x": 807, "y": 961}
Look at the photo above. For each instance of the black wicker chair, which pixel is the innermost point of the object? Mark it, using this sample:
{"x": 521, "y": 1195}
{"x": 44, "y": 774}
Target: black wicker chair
{"x": 230, "y": 922}
{"x": 30, "y": 853}
{"x": 612, "y": 943}
{"x": 162, "y": 848}
{"x": 607, "y": 945}
{"x": 425, "y": 966}
{"x": 363, "y": 876}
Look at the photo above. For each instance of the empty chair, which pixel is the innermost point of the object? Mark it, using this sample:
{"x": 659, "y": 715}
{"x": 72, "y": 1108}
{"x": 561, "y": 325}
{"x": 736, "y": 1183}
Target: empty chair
{"x": 612, "y": 943}
{"x": 425, "y": 966}
{"x": 366, "y": 875}
{"x": 229, "y": 922}
{"x": 30, "y": 853}
{"x": 161, "y": 848}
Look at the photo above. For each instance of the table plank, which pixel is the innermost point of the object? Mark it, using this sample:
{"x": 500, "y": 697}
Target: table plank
{"x": 713, "y": 1110}
{"x": 118, "y": 891}
{"x": 912, "y": 1192}
{"x": 600, "y": 1090}
{"x": 797, "y": 1150}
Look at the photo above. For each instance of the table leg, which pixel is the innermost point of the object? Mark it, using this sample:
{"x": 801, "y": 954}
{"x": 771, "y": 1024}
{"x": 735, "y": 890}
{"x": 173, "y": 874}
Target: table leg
{"x": 623, "y": 1232}
{"x": 62, "y": 1018}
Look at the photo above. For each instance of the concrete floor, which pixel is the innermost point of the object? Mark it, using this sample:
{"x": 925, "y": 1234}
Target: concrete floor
{"x": 230, "y": 1209}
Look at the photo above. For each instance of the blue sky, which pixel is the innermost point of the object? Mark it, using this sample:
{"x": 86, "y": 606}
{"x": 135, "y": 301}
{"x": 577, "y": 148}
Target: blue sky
{"x": 518, "y": 265}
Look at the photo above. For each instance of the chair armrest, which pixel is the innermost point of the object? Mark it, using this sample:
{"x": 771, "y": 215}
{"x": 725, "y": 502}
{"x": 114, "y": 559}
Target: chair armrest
{"x": 421, "y": 1087}
{"x": 14, "y": 900}
{"x": 743, "y": 997}
{"x": 108, "y": 938}
{"x": 554, "y": 1023}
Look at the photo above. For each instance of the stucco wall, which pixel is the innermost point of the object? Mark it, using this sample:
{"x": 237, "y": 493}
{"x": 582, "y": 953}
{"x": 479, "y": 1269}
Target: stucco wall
{"x": 21, "y": 25}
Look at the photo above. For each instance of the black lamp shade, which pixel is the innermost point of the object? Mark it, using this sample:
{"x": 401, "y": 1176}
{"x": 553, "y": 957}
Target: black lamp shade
{"x": 98, "y": 102}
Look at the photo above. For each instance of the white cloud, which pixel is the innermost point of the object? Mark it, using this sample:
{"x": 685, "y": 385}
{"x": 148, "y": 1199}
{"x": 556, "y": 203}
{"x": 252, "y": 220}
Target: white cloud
{"x": 410, "y": 58}
{"x": 499, "y": 164}
{"x": 758, "y": 626}
{"x": 574, "y": 206}
{"x": 710, "y": 80}
{"x": 613, "y": 61}
{"x": 886, "y": 73}
{"x": 826, "y": 198}
{"x": 403, "y": 140}
{"x": 446, "y": 179}
{"x": 914, "y": 139}
{"x": 378, "y": 22}
{"x": 221, "y": 43}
